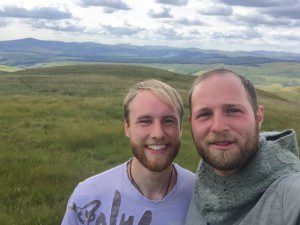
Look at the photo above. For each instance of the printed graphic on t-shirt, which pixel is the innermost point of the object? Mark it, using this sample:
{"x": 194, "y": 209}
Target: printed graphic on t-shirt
{"x": 87, "y": 213}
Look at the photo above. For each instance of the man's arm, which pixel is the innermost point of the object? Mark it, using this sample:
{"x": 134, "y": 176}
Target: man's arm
{"x": 290, "y": 189}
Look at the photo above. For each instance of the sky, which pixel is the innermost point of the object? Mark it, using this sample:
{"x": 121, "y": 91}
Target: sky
{"x": 228, "y": 25}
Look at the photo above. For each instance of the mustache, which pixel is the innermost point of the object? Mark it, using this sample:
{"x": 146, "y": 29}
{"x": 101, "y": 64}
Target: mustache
{"x": 218, "y": 138}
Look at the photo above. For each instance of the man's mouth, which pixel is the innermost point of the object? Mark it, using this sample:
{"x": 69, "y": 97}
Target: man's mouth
{"x": 156, "y": 147}
{"x": 222, "y": 143}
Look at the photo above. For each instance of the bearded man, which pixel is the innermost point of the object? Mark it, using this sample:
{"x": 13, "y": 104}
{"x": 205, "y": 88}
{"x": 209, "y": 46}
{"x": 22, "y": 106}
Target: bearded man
{"x": 149, "y": 188}
{"x": 244, "y": 178}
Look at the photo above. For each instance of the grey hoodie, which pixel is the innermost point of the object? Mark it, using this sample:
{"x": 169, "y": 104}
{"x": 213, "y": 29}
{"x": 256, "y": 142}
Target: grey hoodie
{"x": 266, "y": 191}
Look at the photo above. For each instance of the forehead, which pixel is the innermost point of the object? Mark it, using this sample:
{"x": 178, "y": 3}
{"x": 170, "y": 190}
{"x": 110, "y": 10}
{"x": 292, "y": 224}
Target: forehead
{"x": 220, "y": 89}
{"x": 149, "y": 103}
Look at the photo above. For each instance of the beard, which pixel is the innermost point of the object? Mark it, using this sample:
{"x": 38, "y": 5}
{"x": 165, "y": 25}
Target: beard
{"x": 160, "y": 163}
{"x": 244, "y": 149}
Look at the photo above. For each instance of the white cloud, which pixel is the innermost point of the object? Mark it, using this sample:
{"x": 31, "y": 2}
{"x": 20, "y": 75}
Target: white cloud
{"x": 189, "y": 22}
{"x": 216, "y": 10}
{"x": 119, "y": 31}
{"x": 3, "y": 23}
{"x": 237, "y": 34}
{"x": 113, "y": 4}
{"x": 258, "y": 3}
{"x": 257, "y": 20}
{"x": 37, "y": 13}
{"x": 208, "y": 24}
{"x": 164, "y": 12}
{"x": 65, "y": 26}
{"x": 287, "y": 11}
{"x": 173, "y": 2}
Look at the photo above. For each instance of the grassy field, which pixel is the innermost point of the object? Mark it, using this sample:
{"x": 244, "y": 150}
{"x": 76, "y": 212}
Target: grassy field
{"x": 9, "y": 68}
{"x": 284, "y": 73}
{"x": 61, "y": 125}
{"x": 290, "y": 93}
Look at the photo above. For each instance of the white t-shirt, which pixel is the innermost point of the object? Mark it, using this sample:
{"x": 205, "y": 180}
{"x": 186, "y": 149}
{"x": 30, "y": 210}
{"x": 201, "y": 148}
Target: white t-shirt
{"x": 109, "y": 198}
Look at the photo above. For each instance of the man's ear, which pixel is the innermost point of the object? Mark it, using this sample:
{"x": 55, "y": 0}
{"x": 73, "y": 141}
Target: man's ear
{"x": 180, "y": 131}
{"x": 260, "y": 115}
{"x": 126, "y": 128}
{"x": 190, "y": 119}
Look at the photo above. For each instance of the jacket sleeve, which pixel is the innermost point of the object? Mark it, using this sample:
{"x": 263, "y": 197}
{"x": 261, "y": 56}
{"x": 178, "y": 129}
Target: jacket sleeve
{"x": 289, "y": 191}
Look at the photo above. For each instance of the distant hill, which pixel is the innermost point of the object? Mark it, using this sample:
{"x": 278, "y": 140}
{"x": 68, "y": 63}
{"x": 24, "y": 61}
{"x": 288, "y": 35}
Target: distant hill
{"x": 28, "y": 52}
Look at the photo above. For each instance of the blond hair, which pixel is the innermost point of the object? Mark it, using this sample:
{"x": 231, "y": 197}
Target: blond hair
{"x": 161, "y": 90}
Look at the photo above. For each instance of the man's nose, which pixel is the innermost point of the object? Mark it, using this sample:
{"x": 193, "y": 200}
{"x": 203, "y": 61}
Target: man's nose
{"x": 157, "y": 131}
{"x": 219, "y": 123}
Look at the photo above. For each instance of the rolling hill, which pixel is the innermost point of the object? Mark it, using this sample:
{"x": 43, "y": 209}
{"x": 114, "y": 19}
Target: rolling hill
{"x": 28, "y": 52}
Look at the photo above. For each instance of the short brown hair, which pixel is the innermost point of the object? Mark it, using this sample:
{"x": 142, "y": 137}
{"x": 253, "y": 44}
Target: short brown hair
{"x": 162, "y": 90}
{"x": 248, "y": 85}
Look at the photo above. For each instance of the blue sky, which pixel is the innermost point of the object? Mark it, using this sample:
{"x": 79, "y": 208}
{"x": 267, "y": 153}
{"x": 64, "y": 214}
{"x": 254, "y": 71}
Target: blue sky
{"x": 230, "y": 25}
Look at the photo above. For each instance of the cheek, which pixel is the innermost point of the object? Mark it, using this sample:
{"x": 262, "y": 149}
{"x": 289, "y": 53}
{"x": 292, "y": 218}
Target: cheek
{"x": 244, "y": 125}
{"x": 138, "y": 134}
{"x": 199, "y": 129}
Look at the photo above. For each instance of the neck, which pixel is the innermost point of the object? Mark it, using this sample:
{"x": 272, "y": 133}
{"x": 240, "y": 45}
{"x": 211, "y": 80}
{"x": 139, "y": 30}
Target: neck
{"x": 224, "y": 173}
{"x": 153, "y": 185}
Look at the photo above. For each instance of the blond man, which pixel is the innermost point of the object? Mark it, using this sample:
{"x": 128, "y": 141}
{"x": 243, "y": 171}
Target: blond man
{"x": 149, "y": 188}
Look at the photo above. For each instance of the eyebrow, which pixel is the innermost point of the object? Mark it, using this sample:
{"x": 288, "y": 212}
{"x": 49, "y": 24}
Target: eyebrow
{"x": 205, "y": 109}
{"x": 144, "y": 117}
{"x": 233, "y": 105}
{"x": 151, "y": 117}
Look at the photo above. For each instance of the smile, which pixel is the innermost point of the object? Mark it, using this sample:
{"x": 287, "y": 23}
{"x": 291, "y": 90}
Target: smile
{"x": 222, "y": 143}
{"x": 156, "y": 147}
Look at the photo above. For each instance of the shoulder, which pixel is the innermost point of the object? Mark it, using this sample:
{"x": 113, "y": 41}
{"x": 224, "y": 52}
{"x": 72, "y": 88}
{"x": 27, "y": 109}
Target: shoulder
{"x": 287, "y": 191}
{"x": 184, "y": 173}
{"x": 102, "y": 180}
{"x": 288, "y": 185}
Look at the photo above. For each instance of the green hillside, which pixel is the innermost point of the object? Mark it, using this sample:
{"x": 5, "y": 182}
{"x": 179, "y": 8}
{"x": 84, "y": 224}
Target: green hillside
{"x": 60, "y": 125}
{"x": 284, "y": 73}
{"x": 4, "y": 68}
{"x": 290, "y": 93}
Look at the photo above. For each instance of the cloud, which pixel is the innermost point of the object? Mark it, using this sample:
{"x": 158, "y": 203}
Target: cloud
{"x": 126, "y": 30}
{"x": 163, "y": 13}
{"x": 109, "y": 10}
{"x": 287, "y": 37}
{"x": 112, "y": 4}
{"x": 35, "y": 13}
{"x": 189, "y": 22}
{"x": 65, "y": 26}
{"x": 169, "y": 33}
{"x": 3, "y": 23}
{"x": 194, "y": 32}
{"x": 246, "y": 34}
{"x": 258, "y": 3}
{"x": 291, "y": 11}
{"x": 258, "y": 19}
{"x": 173, "y": 2}
{"x": 218, "y": 10}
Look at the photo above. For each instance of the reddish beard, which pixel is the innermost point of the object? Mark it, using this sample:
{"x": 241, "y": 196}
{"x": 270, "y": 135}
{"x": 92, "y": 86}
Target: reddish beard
{"x": 245, "y": 148}
{"x": 159, "y": 164}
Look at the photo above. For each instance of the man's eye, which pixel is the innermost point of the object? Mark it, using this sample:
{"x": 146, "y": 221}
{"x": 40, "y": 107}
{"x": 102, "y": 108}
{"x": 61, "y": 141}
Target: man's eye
{"x": 169, "y": 121}
{"x": 204, "y": 115}
{"x": 145, "y": 122}
{"x": 233, "y": 110}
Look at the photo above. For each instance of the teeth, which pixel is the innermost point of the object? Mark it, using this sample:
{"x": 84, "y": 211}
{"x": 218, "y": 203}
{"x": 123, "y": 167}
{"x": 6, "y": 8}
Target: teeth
{"x": 156, "y": 147}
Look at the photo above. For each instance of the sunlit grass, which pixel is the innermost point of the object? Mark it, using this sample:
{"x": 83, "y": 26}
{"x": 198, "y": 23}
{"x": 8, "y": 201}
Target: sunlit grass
{"x": 9, "y": 68}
